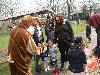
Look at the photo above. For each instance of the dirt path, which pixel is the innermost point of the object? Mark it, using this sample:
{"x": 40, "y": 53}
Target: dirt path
{"x": 3, "y": 51}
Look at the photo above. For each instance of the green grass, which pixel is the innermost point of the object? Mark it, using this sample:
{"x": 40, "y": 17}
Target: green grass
{"x": 78, "y": 28}
{"x": 3, "y": 58}
{"x": 4, "y": 40}
{"x": 4, "y": 69}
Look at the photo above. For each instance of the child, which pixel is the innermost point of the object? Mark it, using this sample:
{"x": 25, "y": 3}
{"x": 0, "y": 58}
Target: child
{"x": 53, "y": 55}
{"x": 77, "y": 58}
{"x": 45, "y": 56}
{"x": 43, "y": 53}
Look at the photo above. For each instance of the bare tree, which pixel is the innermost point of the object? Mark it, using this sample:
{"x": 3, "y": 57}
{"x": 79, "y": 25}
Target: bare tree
{"x": 70, "y": 6}
{"x": 8, "y": 7}
{"x": 89, "y": 6}
{"x": 53, "y": 5}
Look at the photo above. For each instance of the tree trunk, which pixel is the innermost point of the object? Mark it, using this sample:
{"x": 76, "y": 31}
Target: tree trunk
{"x": 68, "y": 11}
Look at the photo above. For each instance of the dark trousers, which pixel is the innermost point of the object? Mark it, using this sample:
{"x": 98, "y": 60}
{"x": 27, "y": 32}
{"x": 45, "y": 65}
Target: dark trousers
{"x": 64, "y": 53}
{"x": 97, "y": 48}
{"x": 98, "y": 38}
{"x": 88, "y": 36}
{"x": 37, "y": 58}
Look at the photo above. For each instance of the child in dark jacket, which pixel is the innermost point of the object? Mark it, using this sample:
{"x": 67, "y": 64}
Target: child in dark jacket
{"x": 77, "y": 58}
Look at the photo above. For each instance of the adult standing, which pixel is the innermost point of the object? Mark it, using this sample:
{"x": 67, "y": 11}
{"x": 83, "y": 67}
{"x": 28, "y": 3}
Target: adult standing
{"x": 94, "y": 21}
{"x": 64, "y": 36}
{"x": 21, "y": 47}
{"x": 39, "y": 39}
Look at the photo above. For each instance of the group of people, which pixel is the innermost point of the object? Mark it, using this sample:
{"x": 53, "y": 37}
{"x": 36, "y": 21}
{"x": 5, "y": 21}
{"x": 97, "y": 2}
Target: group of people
{"x": 27, "y": 40}
{"x": 72, "y": 49}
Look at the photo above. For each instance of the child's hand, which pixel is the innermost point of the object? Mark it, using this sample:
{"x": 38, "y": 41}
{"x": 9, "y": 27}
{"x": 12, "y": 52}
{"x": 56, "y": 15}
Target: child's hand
{"x": 37, "y": 51}
{"x": 10, "y": 60}
{"x": 72, "y": 44}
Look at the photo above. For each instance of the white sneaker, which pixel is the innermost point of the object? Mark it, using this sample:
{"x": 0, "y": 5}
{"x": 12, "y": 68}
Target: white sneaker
{"x": 46, "y": 69}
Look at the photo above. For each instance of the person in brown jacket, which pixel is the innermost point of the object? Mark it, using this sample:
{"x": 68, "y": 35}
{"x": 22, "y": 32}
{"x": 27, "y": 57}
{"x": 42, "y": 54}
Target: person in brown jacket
{"x": 22, "y": 47}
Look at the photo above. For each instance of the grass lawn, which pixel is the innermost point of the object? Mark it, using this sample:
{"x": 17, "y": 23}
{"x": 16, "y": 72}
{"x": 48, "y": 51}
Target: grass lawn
{"x": 4, "y": 69}
{"x": 3, "y": 58}
{"x": 4, "y": 41}
{"x": 78, "y": 28}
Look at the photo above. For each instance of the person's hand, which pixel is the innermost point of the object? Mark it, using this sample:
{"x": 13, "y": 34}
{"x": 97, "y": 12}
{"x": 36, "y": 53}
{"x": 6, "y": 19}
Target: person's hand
{"x": 10, "y": 60}
{"x": 72, "y": 44}
{"x": 37, "y": 51}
